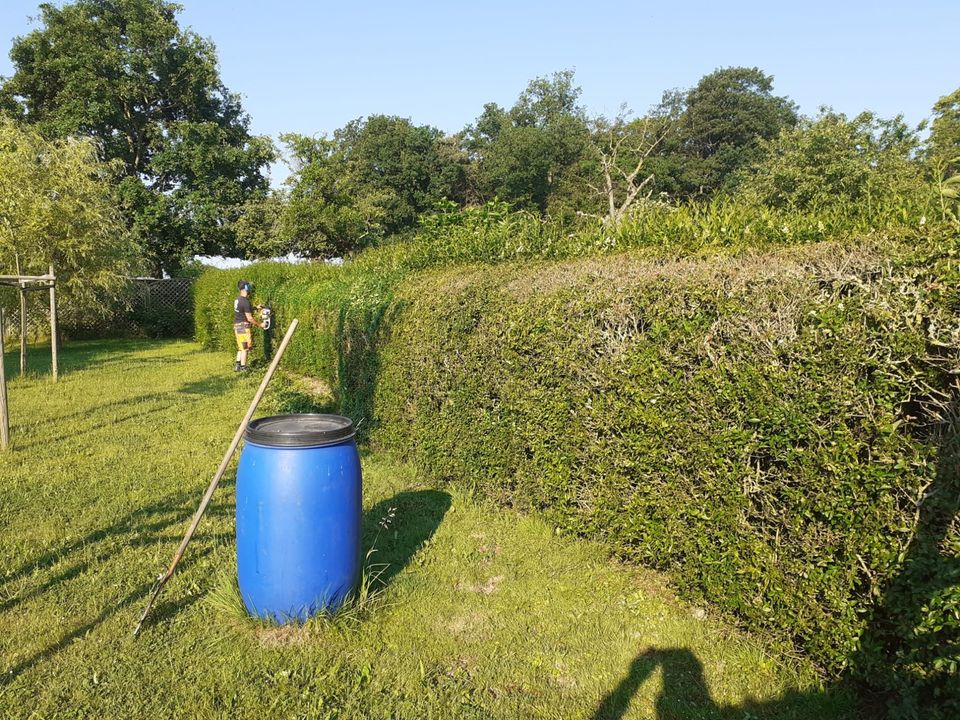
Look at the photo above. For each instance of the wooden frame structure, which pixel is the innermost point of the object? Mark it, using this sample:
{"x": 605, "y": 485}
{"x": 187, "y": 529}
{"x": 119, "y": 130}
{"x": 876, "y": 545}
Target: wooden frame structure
{"x": 25, "y": 284}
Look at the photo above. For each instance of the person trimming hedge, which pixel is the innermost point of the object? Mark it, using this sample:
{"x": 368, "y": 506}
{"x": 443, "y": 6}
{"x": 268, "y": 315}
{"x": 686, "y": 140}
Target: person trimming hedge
{"x": 243, "y": 322}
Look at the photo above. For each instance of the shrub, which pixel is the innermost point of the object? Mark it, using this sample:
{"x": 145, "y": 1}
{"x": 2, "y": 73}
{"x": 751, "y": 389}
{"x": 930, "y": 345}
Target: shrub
{"x": 57, "y": 207}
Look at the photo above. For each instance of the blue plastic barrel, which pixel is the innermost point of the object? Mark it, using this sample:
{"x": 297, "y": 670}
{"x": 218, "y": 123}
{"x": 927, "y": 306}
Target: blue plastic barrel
{"x": 298, "y": 515}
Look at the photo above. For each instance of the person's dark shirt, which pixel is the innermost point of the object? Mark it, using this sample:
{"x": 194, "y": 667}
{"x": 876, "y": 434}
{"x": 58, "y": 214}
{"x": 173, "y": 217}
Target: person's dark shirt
{"x": 241, "y": 306}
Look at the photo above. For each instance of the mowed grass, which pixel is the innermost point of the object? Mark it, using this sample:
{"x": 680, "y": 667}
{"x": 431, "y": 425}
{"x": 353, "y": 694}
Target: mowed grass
{"x": 478, "y": 613}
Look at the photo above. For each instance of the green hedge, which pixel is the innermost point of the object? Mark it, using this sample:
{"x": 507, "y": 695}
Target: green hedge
{"x": 343, "y": 309}
{"x": 765, "y": 429}
{"x": 774, "y": 430}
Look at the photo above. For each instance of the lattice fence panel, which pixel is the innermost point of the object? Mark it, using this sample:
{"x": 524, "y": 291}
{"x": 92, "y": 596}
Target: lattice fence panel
{"x": 162, "y": 307}
{"x": 153, "y": 308}
{"x": 172, "y": 293}
{"x": 38, "y": 313}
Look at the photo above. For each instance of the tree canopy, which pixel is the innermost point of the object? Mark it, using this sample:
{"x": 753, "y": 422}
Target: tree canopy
{"x": 521, "y": 155}
{"x": 373, "y": 178}
{"x": 328, "y": 213}
{"x": 149, "y": 92}
{"x": 188, "y": 175}
{"x": 719, "y": 124}
{"x": 945, "y": 131}
{"x": 833, "y": 161}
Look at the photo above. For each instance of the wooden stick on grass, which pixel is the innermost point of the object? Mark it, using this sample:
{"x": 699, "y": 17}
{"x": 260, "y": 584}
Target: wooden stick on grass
{"x": 161, "y": 581}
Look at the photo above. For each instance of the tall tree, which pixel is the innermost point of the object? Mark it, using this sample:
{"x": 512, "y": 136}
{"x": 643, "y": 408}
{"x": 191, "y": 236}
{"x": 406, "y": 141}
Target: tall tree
{"x": 373, "y": 178}
{"x": 721, "y": 122}
{"x": 328, "y": 212}
{"x": 858, "y": 164}
{"x": 400, "y": 162}
{"x": 945, "y": 132}
{"x": 944, "y": 155}
{"x": 258, "y": 226}
{"x": 522, "y": 154}
{"x": 124, "y": 73}
{"x": 622, "y": 149}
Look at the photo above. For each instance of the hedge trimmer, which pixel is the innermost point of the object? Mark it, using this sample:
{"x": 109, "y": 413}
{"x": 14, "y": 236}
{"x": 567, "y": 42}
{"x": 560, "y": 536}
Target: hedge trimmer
{"x": 266, "y": 315}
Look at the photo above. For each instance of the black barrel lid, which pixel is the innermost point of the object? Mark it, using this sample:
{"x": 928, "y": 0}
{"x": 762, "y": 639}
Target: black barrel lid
{"x": 300, "y": 431}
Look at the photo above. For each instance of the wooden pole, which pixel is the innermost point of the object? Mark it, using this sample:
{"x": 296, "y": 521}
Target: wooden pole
{"x": 54, "y": 339}
{"x": 208, "y": 495}
{"x": 23, "y": 322}
{"x": 4, "y": 412}
{"x": 23, "y": 331}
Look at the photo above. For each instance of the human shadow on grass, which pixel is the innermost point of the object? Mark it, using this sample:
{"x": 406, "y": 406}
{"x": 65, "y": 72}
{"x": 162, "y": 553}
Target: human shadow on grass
{"x": 685, "y": 694}
{"x": 395, "y": 530}
{"x": 215, "y": 386}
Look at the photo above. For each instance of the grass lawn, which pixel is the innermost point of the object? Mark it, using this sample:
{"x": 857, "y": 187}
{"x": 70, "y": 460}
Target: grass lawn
{"x": 481, "y": 612}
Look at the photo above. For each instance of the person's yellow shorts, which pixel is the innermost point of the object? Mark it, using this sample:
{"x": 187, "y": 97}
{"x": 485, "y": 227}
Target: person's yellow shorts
{"x": 244, "y": 335}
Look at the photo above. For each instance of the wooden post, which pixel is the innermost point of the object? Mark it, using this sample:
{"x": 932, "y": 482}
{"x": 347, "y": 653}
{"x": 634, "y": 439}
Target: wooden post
{"x": 54, "y": 339}
{"x": 23, "y": 323}
{"x": 23, "y": 331}
{"x": 4, "y": 413}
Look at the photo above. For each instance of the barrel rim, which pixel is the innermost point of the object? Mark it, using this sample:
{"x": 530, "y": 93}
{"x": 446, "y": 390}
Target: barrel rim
{"x": 265, "y": 433}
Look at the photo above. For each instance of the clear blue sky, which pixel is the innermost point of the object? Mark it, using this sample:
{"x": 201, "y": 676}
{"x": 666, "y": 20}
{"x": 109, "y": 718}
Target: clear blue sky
{"x": 312, "y": 66}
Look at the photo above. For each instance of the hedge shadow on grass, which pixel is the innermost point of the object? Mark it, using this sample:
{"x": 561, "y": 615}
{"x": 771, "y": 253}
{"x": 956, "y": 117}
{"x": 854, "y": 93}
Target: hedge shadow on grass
{"x": 134, "y": 597}
{"x": 107, "y": 423}
{"x": 123, "y": 526}
{"x": 169, "y": 512}
{"x": 394, "y": 530}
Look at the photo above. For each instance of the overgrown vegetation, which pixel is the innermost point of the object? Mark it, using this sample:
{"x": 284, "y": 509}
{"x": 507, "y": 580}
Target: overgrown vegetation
{"x": 778, "y": 432}
{"x": 494, "y": 234}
